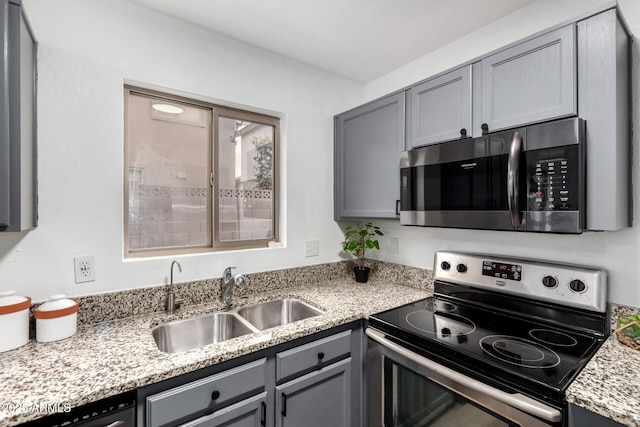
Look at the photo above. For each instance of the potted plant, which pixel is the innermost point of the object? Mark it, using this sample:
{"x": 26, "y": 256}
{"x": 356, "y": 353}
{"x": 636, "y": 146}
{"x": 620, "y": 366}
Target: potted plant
{"x": 357, "y": 241}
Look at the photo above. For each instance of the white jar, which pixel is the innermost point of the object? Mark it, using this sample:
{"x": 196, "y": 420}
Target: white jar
{"x": 14, "y": 320}
{"x": 56, "y": 319}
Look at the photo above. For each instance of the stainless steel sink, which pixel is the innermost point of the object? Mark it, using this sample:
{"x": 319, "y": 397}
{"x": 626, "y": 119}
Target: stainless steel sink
{"x": 275, "y": 313}
{"x": 182, "y": 335}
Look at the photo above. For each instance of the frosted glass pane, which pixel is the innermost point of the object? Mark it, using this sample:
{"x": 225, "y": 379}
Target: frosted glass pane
{"x": 168, "y": 174}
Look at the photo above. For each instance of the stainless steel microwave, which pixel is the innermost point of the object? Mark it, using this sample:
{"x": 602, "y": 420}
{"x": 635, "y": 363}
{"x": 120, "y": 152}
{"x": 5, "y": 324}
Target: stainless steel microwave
{"x": 526, "y": 179}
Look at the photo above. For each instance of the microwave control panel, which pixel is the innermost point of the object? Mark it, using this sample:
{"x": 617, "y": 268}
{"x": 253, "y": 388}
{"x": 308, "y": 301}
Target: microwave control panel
{"x": 553, "y": 179}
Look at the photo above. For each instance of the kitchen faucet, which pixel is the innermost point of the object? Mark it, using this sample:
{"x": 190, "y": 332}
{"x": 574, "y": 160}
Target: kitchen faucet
{"x": 172, "y": 302}
{"x": 226, "y": 285}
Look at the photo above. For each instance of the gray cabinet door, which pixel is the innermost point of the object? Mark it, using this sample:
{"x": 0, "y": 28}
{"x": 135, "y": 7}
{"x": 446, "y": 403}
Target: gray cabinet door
{"x": 251, "y": 412}
{"x": 531, "y": 82}
{"x": 210, "y": 392}
{"x": 580, "y": 417}
{"x": 4, "y": 117}
{"x": 368, "y": 143}
{"x": 440, "y": 109}
{"x": 319, "y": 399}
{"x": 18, "y": 197}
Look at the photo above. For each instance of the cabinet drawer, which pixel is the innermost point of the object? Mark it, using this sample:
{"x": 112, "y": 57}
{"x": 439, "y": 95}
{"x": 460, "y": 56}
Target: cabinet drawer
{"x": 212, "y": 392}
{"x": 312, "y": 355}
{"x": 249, "y": 412}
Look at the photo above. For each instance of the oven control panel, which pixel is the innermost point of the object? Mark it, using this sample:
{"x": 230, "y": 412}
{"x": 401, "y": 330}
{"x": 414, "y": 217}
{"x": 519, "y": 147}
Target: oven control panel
{"x": 576, "y": 286}
{"x": 502, "y": 270}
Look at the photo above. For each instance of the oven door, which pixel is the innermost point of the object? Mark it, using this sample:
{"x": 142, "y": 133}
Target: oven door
{"x": 408, "y": 390}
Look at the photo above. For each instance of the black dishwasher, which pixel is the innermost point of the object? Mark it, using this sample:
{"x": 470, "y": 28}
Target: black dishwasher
{"x": 115, "y": 411}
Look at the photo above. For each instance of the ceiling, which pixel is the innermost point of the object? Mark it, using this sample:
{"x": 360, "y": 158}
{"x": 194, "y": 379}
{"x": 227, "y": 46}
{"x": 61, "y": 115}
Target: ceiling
{"x": 358, "y": 39}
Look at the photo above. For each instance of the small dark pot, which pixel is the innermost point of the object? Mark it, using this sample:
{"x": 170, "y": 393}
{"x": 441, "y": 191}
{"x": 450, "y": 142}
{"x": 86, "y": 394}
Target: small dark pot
{"x": 362, "y": 274}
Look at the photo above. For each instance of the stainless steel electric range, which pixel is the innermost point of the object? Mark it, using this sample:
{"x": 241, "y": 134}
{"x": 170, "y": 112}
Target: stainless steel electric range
{"x": 497, "y": 345}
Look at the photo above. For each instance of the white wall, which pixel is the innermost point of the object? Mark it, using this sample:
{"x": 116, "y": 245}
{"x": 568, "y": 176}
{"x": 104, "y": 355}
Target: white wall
{"x": 87, "y": 50}
{"x": 617, "y": 252}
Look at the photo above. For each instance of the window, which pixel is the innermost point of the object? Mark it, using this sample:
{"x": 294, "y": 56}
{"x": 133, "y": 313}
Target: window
{"x": 199, "y": 176}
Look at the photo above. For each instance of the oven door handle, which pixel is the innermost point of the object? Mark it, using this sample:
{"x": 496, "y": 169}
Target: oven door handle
{"x": 516, "y": 400}
{"x": 513, "y": 180}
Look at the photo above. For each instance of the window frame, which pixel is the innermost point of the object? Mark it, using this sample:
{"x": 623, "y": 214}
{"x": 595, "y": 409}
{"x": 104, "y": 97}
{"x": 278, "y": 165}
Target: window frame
{"x": 213, "y": 200}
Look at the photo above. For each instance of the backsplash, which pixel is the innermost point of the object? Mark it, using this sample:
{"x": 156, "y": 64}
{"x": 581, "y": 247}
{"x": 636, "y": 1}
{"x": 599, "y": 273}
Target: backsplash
{"x": 136, "y": 302}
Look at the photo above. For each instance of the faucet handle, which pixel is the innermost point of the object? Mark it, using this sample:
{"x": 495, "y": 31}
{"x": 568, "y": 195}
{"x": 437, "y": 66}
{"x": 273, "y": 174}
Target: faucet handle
{"x": 239, "y": 280}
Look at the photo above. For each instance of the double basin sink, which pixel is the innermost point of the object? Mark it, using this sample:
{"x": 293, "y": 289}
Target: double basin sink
{"x": 182, "y": 335}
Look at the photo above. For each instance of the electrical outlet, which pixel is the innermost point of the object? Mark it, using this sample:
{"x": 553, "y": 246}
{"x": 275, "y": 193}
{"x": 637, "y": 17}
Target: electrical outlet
{"x": 393, "y": 245}
{"x": 311, "y": 248}
{"x": 85, "y": 269}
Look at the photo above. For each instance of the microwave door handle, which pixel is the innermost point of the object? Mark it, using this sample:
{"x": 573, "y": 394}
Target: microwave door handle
{"x": 517, "y": 400}
{"x": 513, "y": 181}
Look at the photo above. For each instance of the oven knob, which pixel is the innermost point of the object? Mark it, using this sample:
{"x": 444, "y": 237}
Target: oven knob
{"x": 462, "y": 339}
{"x": 577, "y": 286}
{"x": 549, "y": 281}
{"x": 461, "y": 268}
{"x": 446, "y": 332}
{"x": 445, "y": 265}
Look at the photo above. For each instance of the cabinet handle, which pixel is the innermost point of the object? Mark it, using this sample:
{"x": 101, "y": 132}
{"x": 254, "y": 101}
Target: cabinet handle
{"x": 284, "y": 405}
{"x": 485, "y": 128}
{"x": 397, "y": 207}
{"x": 463, "y": 133}
{"x": 263, "y": 414}
{"x": 215, "y": 395}
{"x": 320, "y": 356}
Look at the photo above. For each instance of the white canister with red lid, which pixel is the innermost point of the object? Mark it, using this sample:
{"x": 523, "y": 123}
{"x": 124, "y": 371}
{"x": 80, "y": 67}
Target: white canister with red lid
{"x": 56, "y": 319}
{"x": 14, "y": 320}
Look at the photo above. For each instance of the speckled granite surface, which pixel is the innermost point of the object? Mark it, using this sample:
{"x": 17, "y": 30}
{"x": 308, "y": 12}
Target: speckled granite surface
{"x": 114, "y": 351}
{"x": 610, "y": 384}
{"x": 136, "y": 302}
{"x": 111, "y": 357}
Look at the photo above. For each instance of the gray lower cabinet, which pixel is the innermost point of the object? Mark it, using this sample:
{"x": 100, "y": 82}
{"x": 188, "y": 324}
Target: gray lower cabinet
{"x": 18, "y": 198}
{"x": 440, "y": 108}
{"x": 313, "y": 381}
{"x": 251, "y": 412}
{"x": 368, "y": 143}
{"x": 209, "y": 393}
{"x": 531, "y": 82}
{"x": 319, "y": 399}
{"x": 580, "y": 417}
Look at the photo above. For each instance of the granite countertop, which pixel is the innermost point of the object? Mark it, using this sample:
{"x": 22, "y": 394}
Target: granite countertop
{"x": 610, "y": 384}
{"x": 112, "y": 357}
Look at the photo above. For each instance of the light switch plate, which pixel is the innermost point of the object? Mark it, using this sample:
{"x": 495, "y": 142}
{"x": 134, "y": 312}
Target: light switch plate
{"x": 311, "y": 248}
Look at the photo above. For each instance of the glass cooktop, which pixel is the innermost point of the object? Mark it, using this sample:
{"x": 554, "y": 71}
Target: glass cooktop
{"x": 504, "y": 348}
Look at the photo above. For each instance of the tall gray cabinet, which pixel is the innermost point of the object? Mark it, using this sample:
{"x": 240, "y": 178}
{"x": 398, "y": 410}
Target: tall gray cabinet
{"x": 17, "y": 120}
{"x": 368, "y": 142}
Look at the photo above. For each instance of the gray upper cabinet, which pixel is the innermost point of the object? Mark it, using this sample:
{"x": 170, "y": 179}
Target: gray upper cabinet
{"x": 368, "y": 143}
{"x": 440, "y": 109}
{"x": 17, "y": 120}
{"x": 531, "y": 82}
{"x": 604, "y": 103}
